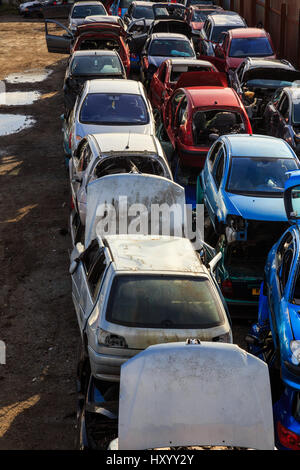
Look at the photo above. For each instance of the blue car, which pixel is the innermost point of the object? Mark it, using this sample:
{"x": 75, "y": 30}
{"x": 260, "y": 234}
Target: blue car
{"x": 242, "y": 185}
{"x": 276, "y": 336}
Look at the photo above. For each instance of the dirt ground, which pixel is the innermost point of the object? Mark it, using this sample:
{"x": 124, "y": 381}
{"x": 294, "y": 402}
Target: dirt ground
{"x": 37, "y": 319}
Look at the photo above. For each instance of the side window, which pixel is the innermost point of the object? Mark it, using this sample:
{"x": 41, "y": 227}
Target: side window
{"x": 284, "y": 258}
{"x": 175, "y": 102}
{"x": 213, "y": 154}
{"x": 285, "y": 268}
{"x": 181, "y": 114}
{"x": 219, "y": 168}
{"x": 283, "y": 105}
{"x": 96, "y": 274}
{"x": 85, "y": 158}
{"x": 208, "y": 32}
{"x": 162, "y": 74}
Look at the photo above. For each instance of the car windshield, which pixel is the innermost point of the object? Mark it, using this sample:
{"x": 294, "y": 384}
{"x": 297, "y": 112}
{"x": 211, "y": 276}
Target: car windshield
{"x": 267, "y": 83}
{"x": 218, "y": 32}
{"x": 91, "y": 65}
{"x": 200, "y": 15}
{"x": 171, "y": 48}
{"x": 114, "y": 109}
{"x": 155, "y": 301}
{"x": 296, "y": 113}
{"x": 254, "y": 47}
{"x": 82, "y": 11}
{"x": 143, "y": 12}
{"x": 259, "y": 175}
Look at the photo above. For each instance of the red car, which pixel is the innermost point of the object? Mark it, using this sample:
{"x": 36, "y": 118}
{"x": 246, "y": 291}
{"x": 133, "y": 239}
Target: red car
{"x": 238, "y": 44}
{"x": 195, "y": 117}
{"x": 167, "y": 75}
{"x": 108, "y": 34}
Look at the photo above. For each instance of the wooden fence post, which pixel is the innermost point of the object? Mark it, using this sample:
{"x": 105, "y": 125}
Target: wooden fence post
{"x": 282, "y": 30}
{"x": 267, "y": 15}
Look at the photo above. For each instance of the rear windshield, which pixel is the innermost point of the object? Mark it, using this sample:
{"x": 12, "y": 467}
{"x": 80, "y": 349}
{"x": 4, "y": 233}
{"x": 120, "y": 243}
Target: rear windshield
{"x": 143, "y": 12}
{"x": 129, "y": 164}
{"x": 171, "y": 48}
{"x": 296, "y": 113}
{"x": 114, "y": 109}
{"x": 200, "y": 15}
{"x": 82, "y": 11}
{"x": 259, "y": 175}
{"x": 254, "y": 47}
{"x": 163, "y": 302}
{"x": 178, "y": 70}
{"x": 91, "y": 65}
{"x": 97, "y": 44}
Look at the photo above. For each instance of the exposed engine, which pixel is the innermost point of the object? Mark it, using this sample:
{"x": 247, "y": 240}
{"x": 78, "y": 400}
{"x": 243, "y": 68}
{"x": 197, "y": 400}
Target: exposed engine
{"x": 255, "y": 101}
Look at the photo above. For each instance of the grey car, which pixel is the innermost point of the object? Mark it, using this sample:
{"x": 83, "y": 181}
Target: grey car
{"x": 81, "y": 10}
{"x": 132, "y": 291}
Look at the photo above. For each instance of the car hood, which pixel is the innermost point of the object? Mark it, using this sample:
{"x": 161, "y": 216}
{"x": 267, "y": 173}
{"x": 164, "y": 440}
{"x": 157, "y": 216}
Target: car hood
{"x": 230, "y": 386}
{"x": 139, "y": 188}
{"x": 99, "y": 27}
{"x": 256, "y": 208}
{"x": 271, "y": 73}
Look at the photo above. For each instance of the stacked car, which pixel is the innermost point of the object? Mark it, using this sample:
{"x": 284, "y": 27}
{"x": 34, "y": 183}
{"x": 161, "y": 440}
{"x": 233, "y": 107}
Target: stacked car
{"x": 179, "y": 137}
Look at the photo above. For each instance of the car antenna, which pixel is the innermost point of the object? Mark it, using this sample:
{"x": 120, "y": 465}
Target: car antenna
{"x": 127, "y": 146}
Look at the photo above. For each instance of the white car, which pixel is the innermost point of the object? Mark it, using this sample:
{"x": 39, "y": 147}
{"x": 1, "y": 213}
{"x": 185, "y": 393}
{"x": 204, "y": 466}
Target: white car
{"x": 81, "y": 10}
{"x": 100, "y": 155}
{"x": 110, "y": 106}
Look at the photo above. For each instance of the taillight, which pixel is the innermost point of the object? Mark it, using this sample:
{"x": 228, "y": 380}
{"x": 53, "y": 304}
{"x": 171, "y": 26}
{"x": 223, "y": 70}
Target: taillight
{"x": 119, "y": 11}
{"x": 226, "y": 287}
{"x": 288, "y": 438}
{"x": 111, "y": 340}
{"x": 187, "y": 135}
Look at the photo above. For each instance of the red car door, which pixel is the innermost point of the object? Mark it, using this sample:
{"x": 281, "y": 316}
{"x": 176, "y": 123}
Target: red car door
{"x": 169, "y": 114}
{"x": 157, "y": 86}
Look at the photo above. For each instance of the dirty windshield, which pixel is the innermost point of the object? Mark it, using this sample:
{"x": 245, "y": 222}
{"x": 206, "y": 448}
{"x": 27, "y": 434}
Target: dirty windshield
{"x": 266, "y": 176}
{"x": 163, "y": 302}
{"x": 89, "y": 65}
{"x": 171, "y": 48}
{"x": 122, "y": 109}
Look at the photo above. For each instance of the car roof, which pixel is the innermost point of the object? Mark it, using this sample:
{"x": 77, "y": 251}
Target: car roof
{"x": 261, "y": 62}
{"x": 153, "y": 253}
{"x": 94, "y": 52}
{"x": 247, "y": 33}
{"x": 168, "y": 36}
{"x": 127, "y": 142}
{"x": 115, "y": 85}
{"x": 224, "y": 19}
{"x": 144, "y": 4}
{"x": 210, "y": 96}
{"x": 87, "y": 3}
{"x": 257, "y": 145}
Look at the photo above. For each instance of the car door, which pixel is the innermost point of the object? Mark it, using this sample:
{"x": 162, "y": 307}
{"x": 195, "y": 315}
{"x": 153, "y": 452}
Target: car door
{"x": 157, "y": 87}
{"x": 137, "y": 35}
{"x": 58, "y": 43}
{"x": 57, "y": 8}
{"x": 170, "y": 112}
{"x": 180, "y": 120}
{"x": 208, "y": 176}
{"x": 86, "y": 281}
{"x": 279, "y": 279}
{"x": 280, "y": 117}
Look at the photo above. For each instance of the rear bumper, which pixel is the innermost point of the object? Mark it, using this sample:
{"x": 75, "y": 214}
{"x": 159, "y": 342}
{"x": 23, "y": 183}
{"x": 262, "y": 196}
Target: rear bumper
{"x": 106, "y": 366}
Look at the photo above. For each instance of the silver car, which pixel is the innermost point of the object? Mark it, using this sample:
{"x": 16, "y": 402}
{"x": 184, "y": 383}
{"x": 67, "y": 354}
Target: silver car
{"x": 81, "y": 10}
{"x": 132, "y": 291}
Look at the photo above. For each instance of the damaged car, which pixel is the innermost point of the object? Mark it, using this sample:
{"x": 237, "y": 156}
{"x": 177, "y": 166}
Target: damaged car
{"x": 275, "y": 337}
{"x": 282, "y": 115}
{"x": 166, "y": 78}
{"x": 132, "y": 291}
{"x": 100, "y": 155}
{"x": 242, "y": 186}
{"x": 186, "y": 409}
{"x": 194, "y": 117}
{"x": 81, "y": 10}
{"x": 257, "y": 80}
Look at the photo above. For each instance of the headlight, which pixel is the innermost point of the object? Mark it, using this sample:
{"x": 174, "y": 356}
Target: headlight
{"x": 295, "y": 348}
{"x": 236, "y": 222}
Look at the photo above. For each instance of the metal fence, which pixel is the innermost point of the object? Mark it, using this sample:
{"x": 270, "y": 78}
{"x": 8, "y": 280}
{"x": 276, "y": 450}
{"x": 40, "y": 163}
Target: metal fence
{"x": 280, "y": 18}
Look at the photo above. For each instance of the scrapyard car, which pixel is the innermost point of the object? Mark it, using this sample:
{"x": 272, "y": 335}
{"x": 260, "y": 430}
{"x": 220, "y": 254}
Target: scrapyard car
{"x": 194, "y": 117}
{"x": 196, "y": 16}
{"x": 31, "y": 9}
{"x": 199, "y": 395}
{"x": 242, "y": 183}
{"x": 102, "y": 32}
{"x": 161, "y": 46}
{"x": 275, "y": 338}
{"x": 256, "y": 81}
{"x": 282, "y": 116}
{"x": 81, "y": 10}
{"x": 165, "y": 79}
{"x": 88, "y": 65}
{"x": 100, "y": 155}
{"x": 108, "y": 106}
{"x": 132, "y": 291}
